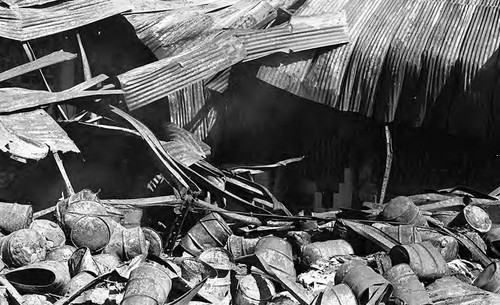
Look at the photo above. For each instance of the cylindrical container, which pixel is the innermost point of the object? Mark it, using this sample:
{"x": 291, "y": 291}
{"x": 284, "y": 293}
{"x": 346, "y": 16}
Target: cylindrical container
{"x": 127, "y": 243}
{"x": 221, "y": 260}
{"x": 492, "y": 239}
{"x": 340, "y": 294}
{"x": 277, "y": 253}
{"x": 77, "y": 282}
{"x": 91, "y": 232}
{"x": 423, "y": 258}
{"x": 218, "y": 258}
{"x": 40, "y": 278}
{"x": 192, "y": 270}
{"x": 446, "y": 245}
{"x": 61, "y": 254}
{"x": 82, "y": 261}
{"x": 51, "y": 231}
{"x": 211, "y": 231}
{"x": 22, "y": 248}
{"x": 15, "y": 216}
{"x": 106, "y": 262}
{"x": 148, "y": 284}
{"x": 408, "y": 290}
{"x": 155, "y": 241}
{"x": 445, "y": 216}
{"x": 473, "y": 217}
{"x": 405, "y": 234}
{"x": 239, "y": 246}
{"x": 313, "y": 252}
{"x": 401, "y": 209}
{"x": 489, "y": 279}
{"x": 452, "y": 291}
{"x": 363, "y": 281}
{"x": 254, "y": 289}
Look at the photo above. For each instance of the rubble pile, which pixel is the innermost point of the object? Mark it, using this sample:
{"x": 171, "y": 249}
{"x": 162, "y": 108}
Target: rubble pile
{"x": 88, "y": 251}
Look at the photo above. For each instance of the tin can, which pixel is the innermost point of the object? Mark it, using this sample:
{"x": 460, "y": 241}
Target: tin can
{"x": 489, "y": 279}
{"x": 239, "y": 246}
{"x": 423, "y": 258}
{"x": 209, "y": 232}
{"x": 155, "y": 241}
{"x": 492, "y": 239}
{"x": 77, "y": 282}
{"x": 401, "y": 209}
{"x": 474, "y": 217}
{"x": 61, "y": 254}
{"x": 339, "y": 294}
{"x": 446, "y": 245}
{"x": 82, "y": 261}
{"x": 405, "y": 234}
{"x": 91, "y": 232}
{"x": 254, "y": 289}
{"x": 126, "y": 243}
{"x": 51, "y": 231}
{"x": 313, "y": 252}
{"x": 363, "y": 281}
{"x": 221, "y": 260}
{"x": 218, "y": 258}
{"x": 277, "y": 253}
{"x": 148, "y": 284}
{"x": 106, "y": 262}
{"x": 40, "y": 278}
{"x": 22, "y": 248}
{"x": 15, "y": 216}
{"x": 408, "y": 290}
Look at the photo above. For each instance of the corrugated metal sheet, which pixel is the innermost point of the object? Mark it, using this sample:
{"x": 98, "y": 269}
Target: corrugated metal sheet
{"x": 14, "y": 99}
{"x": 26, "y": 3}
{"x": 220, "y": 82}
{"x": 154, "y": 81}
{"x": 407, "y": 61}
{"x": 183, "y": 146}
{"x": 51, "y": 59}
{"x": 141, "y": 6}
{"x": 302, "y": 33}
{"x": 30, "y": 23}
{"x": 29, "y": 135}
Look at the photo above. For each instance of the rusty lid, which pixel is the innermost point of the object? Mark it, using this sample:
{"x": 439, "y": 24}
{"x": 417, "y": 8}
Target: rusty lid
{"x": 477, "y": 218}
{"x": 91, "y": 232}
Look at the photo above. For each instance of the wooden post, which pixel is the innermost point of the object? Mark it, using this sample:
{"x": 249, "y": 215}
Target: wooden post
{"x": 388, "y": 163}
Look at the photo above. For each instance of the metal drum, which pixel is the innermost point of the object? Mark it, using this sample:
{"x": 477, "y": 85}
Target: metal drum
{"x": 209, "y": 232}
{"x": 277, "y": 253}
{"x": 22, "y": 248}
{"x": 148, "y": 284}
{"x": 15, "y": 216}
{"x": 402, "y": 209}
{"x": 254, "y": 289}
{"x": 423, "y": 258}
{"x": 489, "y": 279}
{"x": 311, "y": 253}
{"x": 239, "y": 246}
{"x": 339, "y": 294}
{"x": 408, "y": 290}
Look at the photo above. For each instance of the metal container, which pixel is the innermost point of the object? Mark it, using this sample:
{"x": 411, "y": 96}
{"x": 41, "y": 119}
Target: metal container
{"x": 401, "y": 209}
{"x": 82, "y": 261}
{"x": 339, "y": 294}
{"x": 239, "y": 246}
{"x": 313, "y": 252}
{"x": 492, "y": 239}
{"x": 106, "y": 262}
{"x": 452, "y": 291}
{"x": 148, "y": 284}
{"x": 408, "y": 290}
{"x": 61, "y": 254}
{"x": 51, "y": 231}
{"x": 277, "y": 253}
{"x": 78, "y": 282}
{"x": 405, "y": 234}
{"x": 211, "y": 231}
{"x": 15, "y": 216}
{"x": 445, "y": 216}
{"x": 91, "y": 232}
{"x": 363, "y": 281}
{"x": 446, "y": 245}
{"x": 423, "y": 258}
{"x": 254, "y": 289}
{"x": 473, "y": 217}
{"x": 126, "y": 243}
{"x": 489, "y": 279}
{"x": 220, "y": 259}
{"x": 22, "y": 248}
{"x": 155, "y": 241}
{"x": 40, "y": 278}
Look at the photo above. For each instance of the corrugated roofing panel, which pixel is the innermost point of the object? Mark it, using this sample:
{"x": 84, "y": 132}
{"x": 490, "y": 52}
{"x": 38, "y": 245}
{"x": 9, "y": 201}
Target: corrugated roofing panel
{"x": 30, "y": 23}
{"x": 26, "y": 3}
{"x": 220, "y": 82}
{"x": 151, "y": 82}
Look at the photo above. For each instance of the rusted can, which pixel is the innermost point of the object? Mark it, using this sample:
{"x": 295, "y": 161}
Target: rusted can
{"x": 192, "y": 270}
{"x": 239, "y": 246}
{"x": 423, "y": 258}
{"x": 489, "y": 279}
{"x": 209, "y": 232}
{"x": 40, "y": 278}
{"x": 340, "y": 294}
{"x": 154, "y": 239}
{"x": 402, "y": 209}
{"x": 82, "y": 261}
{"x": 473, "y": 217}
{"x": 51, "y": 231}
{"x": 313, "y": 252}
{"x": 446, "y": 245}
{"x": 254, "y": 289}
{"x": 15, "y": 216}
{"x": 408, "y": 290}
{"x": 127, "y": 243}
{"x": 452, "y": 291}
{"x": 405, "y": 234}
{"x": 148, "y": 284}
{"x": 446, "y": 217}
{"x": 22, "y": 248}
{"x": 492, "y": 239}
{"x": 106, "y": 262}
{"x": 221, "y": 260}
{"x": 61, "y": 254}
{"x": 363, "y": 281}
{"x": 78, "y": 282}
{"x": 91, "y": 232}
{"x": 277, "y": 253}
